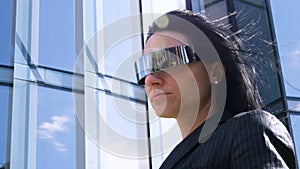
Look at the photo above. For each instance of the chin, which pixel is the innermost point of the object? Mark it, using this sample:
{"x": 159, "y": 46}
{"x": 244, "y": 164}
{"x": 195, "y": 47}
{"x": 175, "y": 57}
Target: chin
{"x": 166, "y": 114}
{"x": 165, "y": 110}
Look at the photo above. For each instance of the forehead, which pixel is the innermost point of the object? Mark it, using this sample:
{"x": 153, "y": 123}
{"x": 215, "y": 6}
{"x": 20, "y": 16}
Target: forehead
{"x": 166, "y": 39}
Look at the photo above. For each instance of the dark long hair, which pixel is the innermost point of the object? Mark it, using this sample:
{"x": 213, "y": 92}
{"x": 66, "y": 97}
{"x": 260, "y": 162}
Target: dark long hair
{"x": 242, "y": 93}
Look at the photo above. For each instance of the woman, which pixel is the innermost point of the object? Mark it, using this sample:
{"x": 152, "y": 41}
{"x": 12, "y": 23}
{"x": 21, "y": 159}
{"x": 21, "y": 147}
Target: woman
{"x": 195, "y": 73}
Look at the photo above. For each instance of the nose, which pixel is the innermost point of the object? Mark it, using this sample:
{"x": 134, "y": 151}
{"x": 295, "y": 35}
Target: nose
{"x": 153, "y": 79}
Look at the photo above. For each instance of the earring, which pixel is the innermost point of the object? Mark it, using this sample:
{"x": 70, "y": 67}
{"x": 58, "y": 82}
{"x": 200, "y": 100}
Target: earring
{"x": 214, "y": 79}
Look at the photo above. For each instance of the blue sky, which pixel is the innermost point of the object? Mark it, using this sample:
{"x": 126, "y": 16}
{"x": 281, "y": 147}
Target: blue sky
{"x": 55, "y": 130}
{"x": 286, "y": 20}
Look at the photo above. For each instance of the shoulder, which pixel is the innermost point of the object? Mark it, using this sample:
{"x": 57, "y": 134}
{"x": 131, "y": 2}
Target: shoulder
{"x": 259, "y": 118}
{"x": 260, "y": 139}
{"x": 255, "y": 115}
{"x": 260, "y": 122}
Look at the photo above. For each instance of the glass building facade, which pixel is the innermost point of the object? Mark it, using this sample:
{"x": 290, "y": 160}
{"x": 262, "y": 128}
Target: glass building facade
{"x": 68, "y": 92}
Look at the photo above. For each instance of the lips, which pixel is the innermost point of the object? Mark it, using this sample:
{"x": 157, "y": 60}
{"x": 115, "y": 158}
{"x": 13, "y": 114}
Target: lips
{"x": 157, "y": 95}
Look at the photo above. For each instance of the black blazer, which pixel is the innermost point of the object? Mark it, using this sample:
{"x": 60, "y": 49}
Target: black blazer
{"x": 254, "y": 139}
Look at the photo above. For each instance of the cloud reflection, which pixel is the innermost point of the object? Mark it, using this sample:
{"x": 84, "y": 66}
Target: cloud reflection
{"x": 48, "y": 130}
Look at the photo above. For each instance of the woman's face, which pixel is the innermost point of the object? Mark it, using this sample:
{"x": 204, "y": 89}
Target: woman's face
{"x": 178, "y": 89}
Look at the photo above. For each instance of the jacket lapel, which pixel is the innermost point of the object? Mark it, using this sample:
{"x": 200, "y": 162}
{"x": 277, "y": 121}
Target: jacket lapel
{"x": 188, "y": 144}
{"x": 182, "y": 149}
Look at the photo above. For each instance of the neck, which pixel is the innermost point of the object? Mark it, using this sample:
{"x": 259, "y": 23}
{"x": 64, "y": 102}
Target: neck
{"x": 190, "y": 121}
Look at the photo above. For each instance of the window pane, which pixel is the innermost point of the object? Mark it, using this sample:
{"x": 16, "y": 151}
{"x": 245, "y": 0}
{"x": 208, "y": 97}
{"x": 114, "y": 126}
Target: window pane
{"x": 118, "y": 61}
{"x": 252, "y": 19}
{"x": 6, "y": 32}
{"x": 116, "y": 130}
{"x": 56, "y": 36}
{"x": 255, "y": 13}
{"x": 6, "y": 74}
{"x": 4, "y": 105}
{"x": 56, "y": 133}
{"x": 158, "y": 6}
{"x": 285, "y": 15}
{"x": 294, "y": 105}
{"x": 295, "y": 125}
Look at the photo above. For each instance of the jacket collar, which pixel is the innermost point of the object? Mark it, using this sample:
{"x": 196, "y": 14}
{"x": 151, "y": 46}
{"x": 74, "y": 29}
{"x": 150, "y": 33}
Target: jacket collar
{"x": 193, "y": 140}
{"x": 182, "y": 148}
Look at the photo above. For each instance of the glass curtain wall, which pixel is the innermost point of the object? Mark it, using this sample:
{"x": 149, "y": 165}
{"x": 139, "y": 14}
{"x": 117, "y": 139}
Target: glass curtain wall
{"x": 68, "y": 92}
{"x": 6, "y": 32}
{"x": 7, "y": 9}
{"x": 113, "y": 114}
{"x": 251, "y": 21}
{"x": 75, "y": 102}
{"x": 288, "y": 42}
{"x": 5, "y": 95}
{"x": 43, "y": 120}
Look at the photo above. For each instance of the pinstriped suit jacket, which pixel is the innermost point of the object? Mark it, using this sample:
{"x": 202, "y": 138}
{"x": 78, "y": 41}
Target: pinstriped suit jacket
{"x": 254, "y": 139}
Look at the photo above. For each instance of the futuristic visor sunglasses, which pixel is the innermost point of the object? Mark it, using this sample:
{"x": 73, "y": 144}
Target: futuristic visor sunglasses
{"x": 163, "y": 59}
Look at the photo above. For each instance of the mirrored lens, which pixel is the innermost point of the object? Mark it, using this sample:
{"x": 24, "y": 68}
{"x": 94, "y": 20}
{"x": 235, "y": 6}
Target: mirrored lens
{"x": 162, "y": 59}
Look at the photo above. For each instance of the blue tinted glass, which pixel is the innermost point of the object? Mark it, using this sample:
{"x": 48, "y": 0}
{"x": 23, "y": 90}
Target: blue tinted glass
{"x": 4, "y": 96}
{"x": 55, "y": 130}
{"x": 56, "y": 36}
{"x": 256, "y": 14}
{"x": 294, "y": 119}
{"x": 294, "y": 105}
{"x": 124, "y": 127}
{"x": 285, "y": 16}
{"x": 5, "y": 32}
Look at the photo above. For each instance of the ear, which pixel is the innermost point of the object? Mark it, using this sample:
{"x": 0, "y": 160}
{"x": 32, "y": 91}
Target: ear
{"x": 216, "y": 73}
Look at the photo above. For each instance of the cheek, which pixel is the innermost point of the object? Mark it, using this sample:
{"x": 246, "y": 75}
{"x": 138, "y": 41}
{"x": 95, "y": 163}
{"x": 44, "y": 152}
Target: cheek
{"x": 202, "y": 80}
{"x": 204, "y": 87}
{"x": 203, "y": 83}
{"x": 147, "y": 90}
{"x": 201, "y": 76}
